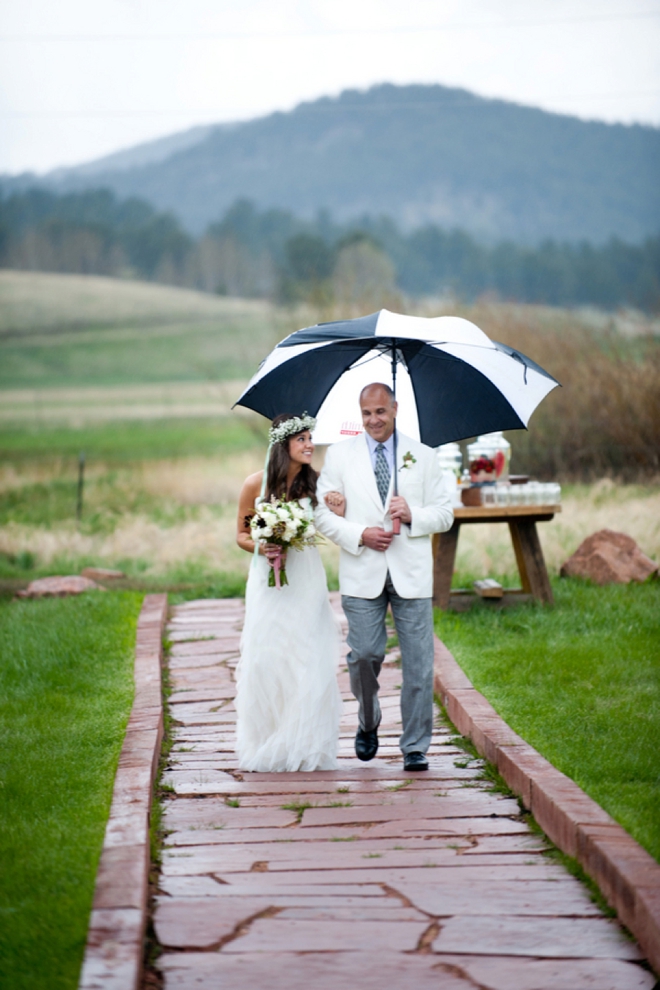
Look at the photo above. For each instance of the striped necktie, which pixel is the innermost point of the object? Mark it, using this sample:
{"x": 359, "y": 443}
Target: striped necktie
{"x": 382, "y": 472}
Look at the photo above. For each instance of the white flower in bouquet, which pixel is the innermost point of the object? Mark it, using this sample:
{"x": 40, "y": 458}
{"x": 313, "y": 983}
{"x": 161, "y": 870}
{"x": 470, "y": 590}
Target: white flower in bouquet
{"x": 288, "y": 525}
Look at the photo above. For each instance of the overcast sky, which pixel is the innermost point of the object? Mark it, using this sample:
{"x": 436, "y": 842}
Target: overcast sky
{"x": 82, "y": 78}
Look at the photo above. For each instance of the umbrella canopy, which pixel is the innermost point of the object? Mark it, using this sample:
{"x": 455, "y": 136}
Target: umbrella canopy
{"x": 452, "y": 380}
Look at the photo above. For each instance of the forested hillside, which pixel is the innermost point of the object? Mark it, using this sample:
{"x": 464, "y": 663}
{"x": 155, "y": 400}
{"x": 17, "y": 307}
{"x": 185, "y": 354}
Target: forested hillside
{"x": 419, "y": 154}
{"x": 274, "y": 254}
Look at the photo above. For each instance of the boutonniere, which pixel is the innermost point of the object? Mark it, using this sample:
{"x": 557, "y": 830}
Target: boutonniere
{"x": 408, "y": 460}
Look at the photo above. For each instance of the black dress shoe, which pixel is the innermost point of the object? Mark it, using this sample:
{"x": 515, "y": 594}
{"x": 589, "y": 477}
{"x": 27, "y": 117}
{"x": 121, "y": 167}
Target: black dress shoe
{"x": 366, "y": 744}
{"x": 415, "y": 761}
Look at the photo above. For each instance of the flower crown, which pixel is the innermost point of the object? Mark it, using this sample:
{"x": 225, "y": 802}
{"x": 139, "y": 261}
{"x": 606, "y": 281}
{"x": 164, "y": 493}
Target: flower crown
{"x": 290, "y": 427}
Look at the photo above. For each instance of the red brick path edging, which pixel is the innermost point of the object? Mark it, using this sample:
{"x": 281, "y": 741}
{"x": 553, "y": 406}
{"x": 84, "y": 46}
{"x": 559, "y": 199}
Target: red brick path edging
{"x": 113, "y": 955}
{"x": 626, "y": 874}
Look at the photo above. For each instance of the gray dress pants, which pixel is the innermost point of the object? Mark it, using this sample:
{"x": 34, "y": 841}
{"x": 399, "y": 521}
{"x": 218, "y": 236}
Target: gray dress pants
{"x": 367, "y": 638}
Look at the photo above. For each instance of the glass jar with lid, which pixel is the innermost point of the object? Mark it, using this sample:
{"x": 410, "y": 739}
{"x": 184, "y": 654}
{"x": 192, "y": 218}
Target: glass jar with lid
{"x": 491, "y": 447}
{"x": 450, "y": 460}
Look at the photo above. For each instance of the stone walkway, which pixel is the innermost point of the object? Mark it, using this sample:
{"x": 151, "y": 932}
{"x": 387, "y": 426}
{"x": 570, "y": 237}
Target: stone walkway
{"x": 359, "y": 878}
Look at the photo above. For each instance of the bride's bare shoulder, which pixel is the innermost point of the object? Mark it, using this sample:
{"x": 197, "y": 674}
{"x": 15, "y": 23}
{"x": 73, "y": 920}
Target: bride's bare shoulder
{"x": 252, "y": 484}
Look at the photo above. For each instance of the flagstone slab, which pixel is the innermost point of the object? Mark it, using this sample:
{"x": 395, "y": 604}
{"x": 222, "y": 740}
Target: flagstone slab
{"x": 197, "y": 648}
{"x": 203, "y": 924}
{"x": 184, "y": 706}
{"x": 218, "y": 835}
{"x": 190, "y": 860}
{"x": 391, "y": 809}
{"x": 293, "y": 971}
{"x": 505, "y": 844}
{"x": 222, "y": 816}
{"x": 196, "y": 886}
{"x": 222, "y": 717}
{"x": 449, "y": 826}
{"x": 238, "y": 859}
{"x": 515, "y": 973}
{"x": 212, "y": 615}
{"x": 205, "y": 744}
{"x": 507, "y": 897}
{"x": 200, "y": 661}
{"x": 209, "y": 886}
{"x": 192, "y": 923}
{"x": 323, "y": 798}
{"x": 188, "y": 783}
{"x": 186, "y": 692}
{"x": 514, "y": 935}
{"x": 278, "y": 935}
{"x": 208, "y": 677}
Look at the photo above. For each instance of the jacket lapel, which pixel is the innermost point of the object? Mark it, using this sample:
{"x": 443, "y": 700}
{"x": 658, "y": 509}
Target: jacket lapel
{"x": 365, "y": 470}
{"x": 401, "y": 449}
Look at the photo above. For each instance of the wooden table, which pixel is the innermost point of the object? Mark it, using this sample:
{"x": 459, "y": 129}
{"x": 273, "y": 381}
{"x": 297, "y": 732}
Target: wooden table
{"x": 522, "y": 520}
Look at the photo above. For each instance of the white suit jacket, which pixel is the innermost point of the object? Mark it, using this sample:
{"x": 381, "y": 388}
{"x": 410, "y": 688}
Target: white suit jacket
{"x": 409, "y": 559}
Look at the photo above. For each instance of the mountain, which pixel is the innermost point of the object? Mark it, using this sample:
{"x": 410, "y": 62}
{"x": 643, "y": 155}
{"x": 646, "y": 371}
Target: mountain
{"x": 149, "y": 153}
{"x": 420, "y": 154}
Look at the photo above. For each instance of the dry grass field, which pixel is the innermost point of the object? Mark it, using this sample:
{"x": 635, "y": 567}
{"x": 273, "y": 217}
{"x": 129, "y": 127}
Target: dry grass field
{"x": 167, "y": 519}
{"x": 142, "y": 378}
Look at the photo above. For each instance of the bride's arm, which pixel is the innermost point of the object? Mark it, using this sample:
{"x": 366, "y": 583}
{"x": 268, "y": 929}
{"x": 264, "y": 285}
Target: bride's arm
{"x": 336, "y": 502}
{"x": 249, "y": 492}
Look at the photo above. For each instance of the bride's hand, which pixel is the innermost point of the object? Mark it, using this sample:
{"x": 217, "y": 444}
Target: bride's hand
{"x": 272, "y": 550}
{"x": 336, "y": 502}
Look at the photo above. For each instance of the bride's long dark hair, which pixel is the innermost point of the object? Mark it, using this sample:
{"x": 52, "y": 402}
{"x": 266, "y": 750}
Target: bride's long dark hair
{"x": 304, "y": 483}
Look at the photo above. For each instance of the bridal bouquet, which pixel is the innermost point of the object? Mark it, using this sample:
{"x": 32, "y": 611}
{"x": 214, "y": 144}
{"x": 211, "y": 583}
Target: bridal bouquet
{"x": 289, "y": 525}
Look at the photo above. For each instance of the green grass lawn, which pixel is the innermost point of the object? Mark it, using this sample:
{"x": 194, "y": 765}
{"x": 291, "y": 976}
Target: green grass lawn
{"x": 72, "y": 330}
{"x": 581, "y": 683}
{"x": 126, "y": 440}
{"x": 66, "y": 689}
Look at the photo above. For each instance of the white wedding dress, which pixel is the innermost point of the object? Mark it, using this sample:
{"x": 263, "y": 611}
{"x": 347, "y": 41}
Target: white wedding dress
{"x": 287, "y": 700}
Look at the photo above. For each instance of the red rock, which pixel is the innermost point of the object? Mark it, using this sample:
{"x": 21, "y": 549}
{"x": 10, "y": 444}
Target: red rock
{"x": 608, "y": 557}
{"x": 59, "y": 587}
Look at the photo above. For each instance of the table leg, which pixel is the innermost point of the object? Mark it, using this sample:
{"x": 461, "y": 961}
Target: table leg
{"x": 444, "y": 555}
{"x": 529, "y": 555}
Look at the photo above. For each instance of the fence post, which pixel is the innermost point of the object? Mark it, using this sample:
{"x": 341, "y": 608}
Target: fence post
{"x": 81, "y": 485}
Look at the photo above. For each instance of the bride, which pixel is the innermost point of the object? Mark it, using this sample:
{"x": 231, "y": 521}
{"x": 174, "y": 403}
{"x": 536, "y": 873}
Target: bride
{"x": 287, "y": 700}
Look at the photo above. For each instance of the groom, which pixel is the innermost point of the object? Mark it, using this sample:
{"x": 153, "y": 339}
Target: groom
{"x": 378, "y": 569}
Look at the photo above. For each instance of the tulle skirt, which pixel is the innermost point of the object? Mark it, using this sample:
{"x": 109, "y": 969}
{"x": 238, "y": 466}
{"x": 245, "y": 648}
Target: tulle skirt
{"x": 287, "y": 699}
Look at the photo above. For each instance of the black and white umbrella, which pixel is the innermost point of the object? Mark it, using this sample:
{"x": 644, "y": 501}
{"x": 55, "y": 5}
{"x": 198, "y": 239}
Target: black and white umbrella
{"x": 451, "y": 380}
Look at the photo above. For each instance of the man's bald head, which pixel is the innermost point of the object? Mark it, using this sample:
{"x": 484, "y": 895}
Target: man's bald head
{"x": 379, "y": 409}
{"x": 377, "y": 385}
